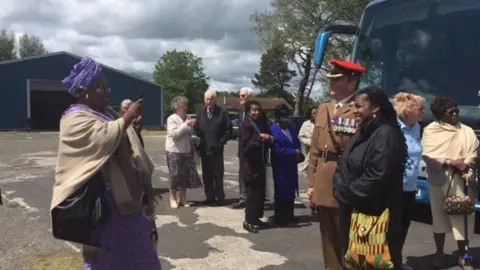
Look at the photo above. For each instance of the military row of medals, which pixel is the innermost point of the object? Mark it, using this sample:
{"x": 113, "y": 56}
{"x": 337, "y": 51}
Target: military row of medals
{"x": 344, "y": 125}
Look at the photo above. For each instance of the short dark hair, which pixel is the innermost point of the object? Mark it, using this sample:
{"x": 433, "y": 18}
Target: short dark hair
{"x": 281, "y": 110}
{"x": 308, "y": 115}
{"x": 377, "y": 96}
{"x": 440, "y": 105}
{"x": 250, "y": 103}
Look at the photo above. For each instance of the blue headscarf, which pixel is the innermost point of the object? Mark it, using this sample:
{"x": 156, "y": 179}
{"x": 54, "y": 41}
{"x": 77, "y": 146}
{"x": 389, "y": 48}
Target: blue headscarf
{"x": 82, "y": 76}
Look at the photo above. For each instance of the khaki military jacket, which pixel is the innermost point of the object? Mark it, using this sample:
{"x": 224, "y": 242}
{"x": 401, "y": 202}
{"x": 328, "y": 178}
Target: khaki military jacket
{"x": 330, "y": 136}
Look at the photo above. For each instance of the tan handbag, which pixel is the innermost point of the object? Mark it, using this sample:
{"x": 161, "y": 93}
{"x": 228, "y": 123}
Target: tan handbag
{"x": 458, "y": 205}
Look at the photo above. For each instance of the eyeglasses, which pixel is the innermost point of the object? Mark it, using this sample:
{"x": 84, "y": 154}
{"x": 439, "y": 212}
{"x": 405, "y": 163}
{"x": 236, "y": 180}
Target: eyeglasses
{"x": 453, "y": 112}
{"x": 421, "y": 108}
{"x": 104, "y": 88}
{"x": 242, "y": 96}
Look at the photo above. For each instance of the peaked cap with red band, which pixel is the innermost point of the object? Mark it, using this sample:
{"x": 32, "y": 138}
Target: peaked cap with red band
{"x": 345, "y": 68}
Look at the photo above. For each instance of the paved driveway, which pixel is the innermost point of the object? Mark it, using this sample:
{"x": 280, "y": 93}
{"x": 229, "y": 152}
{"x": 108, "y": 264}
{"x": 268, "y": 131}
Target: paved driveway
{"x": 190, "y": 238}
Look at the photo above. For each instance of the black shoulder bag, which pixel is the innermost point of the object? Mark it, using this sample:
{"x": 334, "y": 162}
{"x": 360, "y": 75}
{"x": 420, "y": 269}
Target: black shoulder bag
{"x": 86, "y": 209}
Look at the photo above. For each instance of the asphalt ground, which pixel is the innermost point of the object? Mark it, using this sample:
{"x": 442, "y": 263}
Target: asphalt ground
{"x": 189, "y": 238}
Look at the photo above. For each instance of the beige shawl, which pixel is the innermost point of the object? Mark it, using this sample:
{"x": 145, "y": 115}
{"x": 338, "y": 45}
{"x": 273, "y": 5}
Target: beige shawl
{"x": 305, "y": 136}
{"x": 443, "y": 141}
{"x": 88, "y": 144}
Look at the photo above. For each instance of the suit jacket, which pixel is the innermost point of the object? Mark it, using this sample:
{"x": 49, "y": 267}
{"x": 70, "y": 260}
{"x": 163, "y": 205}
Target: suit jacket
{"x": 284, "y": 163}
{"x": 320, "y": 172}
{"x": 214, "y": 133}
{"x": 240, "y": 147}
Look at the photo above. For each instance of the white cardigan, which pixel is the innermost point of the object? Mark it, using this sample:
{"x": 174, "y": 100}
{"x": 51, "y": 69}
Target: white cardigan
{"x": 178, "y": 135}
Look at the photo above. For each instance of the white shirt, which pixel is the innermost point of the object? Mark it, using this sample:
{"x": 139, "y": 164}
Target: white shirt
{"x": 287, "y": 133}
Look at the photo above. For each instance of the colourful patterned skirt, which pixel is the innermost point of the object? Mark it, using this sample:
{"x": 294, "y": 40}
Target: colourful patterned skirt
{"x": 182, "y": 171}
{"x": 130, "y": 241}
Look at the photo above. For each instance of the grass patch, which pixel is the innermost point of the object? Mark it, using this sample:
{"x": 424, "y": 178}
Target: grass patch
{"x": 58, "y": 261}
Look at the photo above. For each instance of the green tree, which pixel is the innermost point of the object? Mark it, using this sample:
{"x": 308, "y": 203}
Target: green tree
{"x": 7, "y": 45}
{"x": 30, "y": 46}
{"x": 181, "y": 73}
{"x": 274, "y": 74}
{"x": 296, "y": 23}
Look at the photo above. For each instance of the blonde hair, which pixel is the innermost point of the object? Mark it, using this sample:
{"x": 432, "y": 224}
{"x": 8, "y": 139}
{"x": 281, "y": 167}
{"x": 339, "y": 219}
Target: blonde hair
{"x": 406, "y": 103}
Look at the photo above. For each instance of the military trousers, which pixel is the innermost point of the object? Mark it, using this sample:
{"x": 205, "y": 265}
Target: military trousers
{"x": 330, "y": 232}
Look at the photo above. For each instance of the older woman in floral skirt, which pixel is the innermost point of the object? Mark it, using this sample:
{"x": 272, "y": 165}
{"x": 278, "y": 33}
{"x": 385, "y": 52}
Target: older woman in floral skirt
{"x": 180, "y": 148}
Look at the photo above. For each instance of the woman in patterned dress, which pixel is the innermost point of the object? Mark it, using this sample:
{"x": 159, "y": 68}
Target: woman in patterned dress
{"x": 93, "y": 142}
{"x": 180, "y": 147}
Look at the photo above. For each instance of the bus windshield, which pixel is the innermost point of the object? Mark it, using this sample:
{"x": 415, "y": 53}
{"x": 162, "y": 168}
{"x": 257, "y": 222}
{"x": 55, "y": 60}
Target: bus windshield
{"x": 427, "y": 47}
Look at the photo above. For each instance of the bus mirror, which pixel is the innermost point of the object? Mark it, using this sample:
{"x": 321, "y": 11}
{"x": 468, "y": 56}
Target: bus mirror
{"x": 322, "y": 40}
{"x": 320, "y": 47}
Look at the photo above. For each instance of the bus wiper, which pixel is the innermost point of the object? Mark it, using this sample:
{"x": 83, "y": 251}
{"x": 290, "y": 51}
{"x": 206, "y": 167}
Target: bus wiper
{"x": 367, "y": 38}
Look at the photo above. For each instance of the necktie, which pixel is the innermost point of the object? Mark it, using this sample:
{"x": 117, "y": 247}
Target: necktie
{"x": 209, "y": 113}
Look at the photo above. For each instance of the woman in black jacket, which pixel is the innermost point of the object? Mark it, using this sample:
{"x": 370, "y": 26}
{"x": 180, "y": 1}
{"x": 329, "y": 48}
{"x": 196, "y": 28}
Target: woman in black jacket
{"x": 255, "y": 140}
{"x": 369, "y": 177}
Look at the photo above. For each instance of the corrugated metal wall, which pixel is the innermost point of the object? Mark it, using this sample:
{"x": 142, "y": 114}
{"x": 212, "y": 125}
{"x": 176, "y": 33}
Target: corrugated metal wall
{"x": 13, "y": 88}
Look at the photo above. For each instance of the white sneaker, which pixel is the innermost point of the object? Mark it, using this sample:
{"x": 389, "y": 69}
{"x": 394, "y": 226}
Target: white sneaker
{"x": 406, "y": 267}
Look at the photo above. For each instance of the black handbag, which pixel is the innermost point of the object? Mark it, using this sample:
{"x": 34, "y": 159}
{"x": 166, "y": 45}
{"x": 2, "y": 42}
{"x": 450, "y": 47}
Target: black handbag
{"x": 86, "y": 209}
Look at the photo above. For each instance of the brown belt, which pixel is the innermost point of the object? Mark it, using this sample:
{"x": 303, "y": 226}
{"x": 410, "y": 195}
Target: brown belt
{"x": 329, "y": 156}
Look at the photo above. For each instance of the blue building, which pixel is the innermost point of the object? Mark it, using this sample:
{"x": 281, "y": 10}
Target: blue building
{"x": 34, "y": 97}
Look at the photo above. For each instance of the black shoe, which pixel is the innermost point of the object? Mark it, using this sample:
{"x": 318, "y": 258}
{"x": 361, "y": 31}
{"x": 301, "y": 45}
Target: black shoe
{"x": 220, "y": 202}
{"x": 294, "y": 220}
{"x": 209, "y": 202}
{"x": 239, "y": 205}
{"x": 260, "y": 223}
{"x": 250, "y": 227}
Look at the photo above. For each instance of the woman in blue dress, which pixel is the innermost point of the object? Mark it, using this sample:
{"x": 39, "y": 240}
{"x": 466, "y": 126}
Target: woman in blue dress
{"x": 285, "y": 156}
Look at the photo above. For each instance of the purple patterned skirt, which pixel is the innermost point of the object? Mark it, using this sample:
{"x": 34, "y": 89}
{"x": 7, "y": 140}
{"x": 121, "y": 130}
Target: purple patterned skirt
{"x": 130, "y": 241}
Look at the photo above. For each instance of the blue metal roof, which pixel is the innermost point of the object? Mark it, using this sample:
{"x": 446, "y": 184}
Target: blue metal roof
{"x": 38, "y": 57}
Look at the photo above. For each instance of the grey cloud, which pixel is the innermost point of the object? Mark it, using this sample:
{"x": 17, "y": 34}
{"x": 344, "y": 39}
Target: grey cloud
{"x": 162, "y": 23}
{"x": 144, "y": 50}
{"x": 244, "y": 41}
{"x": 226, "y": 22}
{"x": 33, "y": 12}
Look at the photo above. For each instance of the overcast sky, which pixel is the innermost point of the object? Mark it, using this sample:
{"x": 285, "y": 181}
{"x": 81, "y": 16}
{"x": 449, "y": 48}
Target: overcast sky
{"x": 131, "y": 35}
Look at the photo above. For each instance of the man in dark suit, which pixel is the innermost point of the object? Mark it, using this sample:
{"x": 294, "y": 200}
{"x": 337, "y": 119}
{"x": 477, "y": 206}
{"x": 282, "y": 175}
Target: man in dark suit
{"x": 213, "y": 127}
{"x": 245, "y": 95}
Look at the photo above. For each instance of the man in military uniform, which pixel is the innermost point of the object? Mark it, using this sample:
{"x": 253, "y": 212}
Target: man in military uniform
{"x": 334, "y": 125}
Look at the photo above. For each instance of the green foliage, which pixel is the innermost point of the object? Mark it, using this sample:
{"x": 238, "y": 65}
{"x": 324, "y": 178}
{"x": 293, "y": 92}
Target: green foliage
{"x": 181, "y": 73}
{"x": 27, "y": 46}
{"x": 30, "y": 46}
{"x": 274, "y": 73}
{"x": 296, "y": 24}
{"x": 7, "y": 45}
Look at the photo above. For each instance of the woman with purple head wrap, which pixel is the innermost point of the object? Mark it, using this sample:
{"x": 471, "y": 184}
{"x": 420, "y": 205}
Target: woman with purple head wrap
{"x": 96, "y": 147}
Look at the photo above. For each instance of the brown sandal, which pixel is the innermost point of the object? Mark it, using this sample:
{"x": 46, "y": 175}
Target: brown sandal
{"x": 182, "y": 204}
